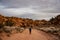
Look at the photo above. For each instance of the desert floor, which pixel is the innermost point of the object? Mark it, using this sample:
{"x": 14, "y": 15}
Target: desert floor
{"x": 35, "y": 35}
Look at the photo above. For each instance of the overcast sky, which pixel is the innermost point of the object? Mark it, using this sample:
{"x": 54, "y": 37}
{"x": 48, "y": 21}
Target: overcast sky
{"x": 35, "y": 9}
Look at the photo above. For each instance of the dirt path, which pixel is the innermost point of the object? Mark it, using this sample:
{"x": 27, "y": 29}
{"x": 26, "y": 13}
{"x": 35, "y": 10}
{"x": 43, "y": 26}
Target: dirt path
{"x": 35, "y": 35}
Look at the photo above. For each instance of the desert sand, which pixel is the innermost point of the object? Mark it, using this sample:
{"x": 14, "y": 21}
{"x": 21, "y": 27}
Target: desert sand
{"x": 35, "y": 35}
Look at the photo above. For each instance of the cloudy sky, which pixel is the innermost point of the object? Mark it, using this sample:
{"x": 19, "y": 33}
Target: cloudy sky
{"x": 35, "y": 9}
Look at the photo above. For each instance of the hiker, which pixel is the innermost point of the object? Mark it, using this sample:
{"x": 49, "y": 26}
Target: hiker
{"x": 30, "y": 29}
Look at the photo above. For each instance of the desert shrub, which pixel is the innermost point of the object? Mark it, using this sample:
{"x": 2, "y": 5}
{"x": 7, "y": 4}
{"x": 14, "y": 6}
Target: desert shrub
{"x": 19, "y": 29}
{"x": 6, "y": 30}
{"x": 1, "y": 30}
{"x": 9, "y": 23}
{"x": 8, "y": 35}
{"x": 1, "y": 25}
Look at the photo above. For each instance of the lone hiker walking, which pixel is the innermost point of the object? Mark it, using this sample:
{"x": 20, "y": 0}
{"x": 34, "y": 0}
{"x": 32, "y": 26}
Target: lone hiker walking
{"x": 30, "y": 29}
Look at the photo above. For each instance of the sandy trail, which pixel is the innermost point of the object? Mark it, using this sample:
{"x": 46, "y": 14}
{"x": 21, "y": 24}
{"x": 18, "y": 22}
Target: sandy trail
{"x": 35, "y": 35}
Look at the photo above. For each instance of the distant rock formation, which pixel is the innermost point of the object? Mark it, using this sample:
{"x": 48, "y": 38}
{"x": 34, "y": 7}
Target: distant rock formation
{"x": 22, "y": 22}
{"x": 55, "y": 21}
{"x": 26, "y": 22}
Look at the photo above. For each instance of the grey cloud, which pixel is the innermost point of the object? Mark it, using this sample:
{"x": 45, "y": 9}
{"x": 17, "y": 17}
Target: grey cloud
{"x": 24, "y": 3}
{"x": 51, "y": 11}
{"x": 42, "y": 4}
{"x": 21, "y": 3}
{"x": 38, "y": 16}
{"x": 15, "y": 3}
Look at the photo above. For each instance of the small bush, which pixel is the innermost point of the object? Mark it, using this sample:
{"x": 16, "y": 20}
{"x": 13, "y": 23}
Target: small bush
{"x": 20, "y": 30}
{"x": 1, "y": 31}
{"x": 8, "y": 35}
{"x": 9, "y": 23}
{"x": 1, "y": 25}
{"x": 6, "y": 30}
